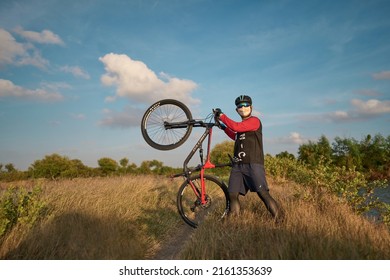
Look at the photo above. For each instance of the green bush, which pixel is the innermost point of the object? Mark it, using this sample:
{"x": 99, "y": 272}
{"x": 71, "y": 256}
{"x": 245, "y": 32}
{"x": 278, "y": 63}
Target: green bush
{"x": 55, "y": 166}
{"x": 347, "y": 183}
{"x": 17, "y": 205}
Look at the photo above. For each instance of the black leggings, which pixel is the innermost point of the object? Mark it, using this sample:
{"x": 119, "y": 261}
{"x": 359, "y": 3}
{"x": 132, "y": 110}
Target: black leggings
{"x": 264, "y": 195}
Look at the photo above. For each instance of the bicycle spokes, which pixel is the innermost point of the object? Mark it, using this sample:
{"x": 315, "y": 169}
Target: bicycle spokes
{"x": 215, "y": 205}
{"x": 166, "y": 124}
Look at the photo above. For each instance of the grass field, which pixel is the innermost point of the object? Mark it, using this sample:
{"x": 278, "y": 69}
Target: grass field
{"x": 132, "y": 217}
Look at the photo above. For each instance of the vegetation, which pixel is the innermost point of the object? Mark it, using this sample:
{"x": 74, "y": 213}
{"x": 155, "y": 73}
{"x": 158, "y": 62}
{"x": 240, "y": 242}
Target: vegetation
{"x": 370, "y": 155}
{"x": 131, "y": 217}
{"x": 348, "y": 185}
{"x": 56, "y": 167}
{"x": 62, "y": 209}
{"x": 319, "y": 228}
{"x": 87, "y": 218}
{"x": 20, "y": 206}
{"x": 322, "y": 168}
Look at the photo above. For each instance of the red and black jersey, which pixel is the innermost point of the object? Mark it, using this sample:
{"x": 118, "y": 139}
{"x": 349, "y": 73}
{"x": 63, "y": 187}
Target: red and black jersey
{"x": 248, "y": 136}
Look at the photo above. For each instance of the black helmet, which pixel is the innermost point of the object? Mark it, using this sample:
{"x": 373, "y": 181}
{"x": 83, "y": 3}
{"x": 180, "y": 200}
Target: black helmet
{"x": 242, "y": 99}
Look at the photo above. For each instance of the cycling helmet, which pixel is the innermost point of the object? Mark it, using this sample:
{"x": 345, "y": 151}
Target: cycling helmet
{"x": 243, "y": 99}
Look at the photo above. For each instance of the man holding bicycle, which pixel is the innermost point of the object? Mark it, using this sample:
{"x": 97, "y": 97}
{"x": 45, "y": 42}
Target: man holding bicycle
{"x": 248, "y": 172}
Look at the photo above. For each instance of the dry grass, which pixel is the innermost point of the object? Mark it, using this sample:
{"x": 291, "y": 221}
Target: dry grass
{"x": 316, "y": 227}
{"x": 98, "y": 218}
{"x": 130, "y": 217}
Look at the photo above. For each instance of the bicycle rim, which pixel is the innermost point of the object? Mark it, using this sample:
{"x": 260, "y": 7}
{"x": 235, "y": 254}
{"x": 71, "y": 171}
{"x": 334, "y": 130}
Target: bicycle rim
{"x": 154, "y": 131}
{"x": 190, "y": 208}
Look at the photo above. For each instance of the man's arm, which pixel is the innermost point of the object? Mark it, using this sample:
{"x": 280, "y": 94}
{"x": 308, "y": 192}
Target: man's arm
{"x": 251, "y": 124}
{"x": 230, "y": 133}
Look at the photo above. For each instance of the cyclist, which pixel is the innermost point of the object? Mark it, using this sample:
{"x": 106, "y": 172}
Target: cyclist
{"x": 248, "y": 172}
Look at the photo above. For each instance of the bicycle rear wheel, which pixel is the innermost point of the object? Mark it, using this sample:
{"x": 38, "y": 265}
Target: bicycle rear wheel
{"x": 153, "y": 127}
{"x": 189, "y": 204}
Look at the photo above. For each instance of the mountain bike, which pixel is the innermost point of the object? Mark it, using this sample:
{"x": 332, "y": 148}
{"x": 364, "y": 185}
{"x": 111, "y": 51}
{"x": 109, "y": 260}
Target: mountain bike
{"x": 166, "y": 125}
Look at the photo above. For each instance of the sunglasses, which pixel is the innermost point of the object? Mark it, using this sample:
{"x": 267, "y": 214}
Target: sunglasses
{"x": 243, "y": 105}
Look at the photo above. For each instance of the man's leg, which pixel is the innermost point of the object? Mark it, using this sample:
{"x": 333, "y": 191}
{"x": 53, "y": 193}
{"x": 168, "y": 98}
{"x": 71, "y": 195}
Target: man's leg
{"x": 234, "y": 203}
{"x": 271, "y": 204}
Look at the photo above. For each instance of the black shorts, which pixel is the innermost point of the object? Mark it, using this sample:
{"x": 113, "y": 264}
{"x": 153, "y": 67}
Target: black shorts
{"x": 246, "y": 177}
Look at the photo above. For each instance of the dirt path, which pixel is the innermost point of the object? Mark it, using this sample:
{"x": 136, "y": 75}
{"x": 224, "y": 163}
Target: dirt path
{"x": 171, "y": 248}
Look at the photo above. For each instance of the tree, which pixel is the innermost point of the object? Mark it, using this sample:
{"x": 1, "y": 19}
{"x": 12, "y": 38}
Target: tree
{"x": 108, "y": 165}
{"x": 285, "y": 154}
{"x": 124, "y": 162}
{"x": 76, "y": 169}
{"x": 10, "y": 173}
{"x": 131, "y": 168}
{"x": 152, "y": 166}
{"x": 10, "y": 168}
{"x": 307, "y": 153}
{"x": 156, "y": 166}
{"x": 324, "y": 149}
{"x": 346, "y": 152}
{"x": 145, "y": 167}
{"x": 313, "y": 153}
{"x": 375, "y": 153}
{"x": 220, "y": 155}
{"x": 50, "y": 167}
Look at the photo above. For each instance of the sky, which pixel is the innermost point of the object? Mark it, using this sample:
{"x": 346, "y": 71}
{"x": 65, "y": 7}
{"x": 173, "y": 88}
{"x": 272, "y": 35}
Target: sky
{"x": 77, "y": 76}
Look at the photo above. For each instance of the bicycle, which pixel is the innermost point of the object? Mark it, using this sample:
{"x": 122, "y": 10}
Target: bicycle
{"x": 166, "y": 125}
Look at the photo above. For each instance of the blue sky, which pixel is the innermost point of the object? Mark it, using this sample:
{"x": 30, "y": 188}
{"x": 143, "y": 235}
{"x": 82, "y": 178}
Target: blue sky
{"x": 76, "y": 76}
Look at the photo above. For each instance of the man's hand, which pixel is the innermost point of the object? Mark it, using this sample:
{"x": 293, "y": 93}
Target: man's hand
{"x": 217, "y": 112}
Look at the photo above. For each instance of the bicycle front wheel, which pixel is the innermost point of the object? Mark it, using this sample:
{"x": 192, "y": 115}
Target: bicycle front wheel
{"x": 155, "y": 131}
{"x": 189, "y": 202}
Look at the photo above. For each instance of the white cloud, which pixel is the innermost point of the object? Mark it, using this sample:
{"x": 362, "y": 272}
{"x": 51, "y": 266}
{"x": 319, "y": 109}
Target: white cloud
{"x": 9, "y": 89}
{"x": 384, "y": 75}
{"x": 75, "y": 71}
{"x": 15, "y": 53}
{"x": 32, "y": 56}
{"x": 371, "y": 107}
{"x": 294, "y": 138}
{"x": 136, "y": 81}
{"x": 360, "y": 110}
{"x": 9, "y": 48}
{"x": 44, "y": 37}
{"x": 336, "y": 116}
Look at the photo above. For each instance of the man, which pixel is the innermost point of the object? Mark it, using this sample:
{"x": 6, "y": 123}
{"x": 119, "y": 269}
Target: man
{"x": 248, "y": 172}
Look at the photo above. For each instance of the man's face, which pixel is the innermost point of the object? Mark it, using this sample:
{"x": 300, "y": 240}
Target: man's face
{"x": 244, "y": 110}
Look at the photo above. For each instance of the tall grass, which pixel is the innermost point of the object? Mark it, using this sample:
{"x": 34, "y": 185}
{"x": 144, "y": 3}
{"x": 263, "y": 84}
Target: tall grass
{"x": 97, "y": 218}
{"x": 131, "y": 218}
{"x": 320, "y": 228}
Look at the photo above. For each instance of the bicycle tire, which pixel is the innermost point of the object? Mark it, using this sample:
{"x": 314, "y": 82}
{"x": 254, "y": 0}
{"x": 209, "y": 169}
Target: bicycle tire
{"x": 154, "y": 131}
{"x": 188, "y": 204}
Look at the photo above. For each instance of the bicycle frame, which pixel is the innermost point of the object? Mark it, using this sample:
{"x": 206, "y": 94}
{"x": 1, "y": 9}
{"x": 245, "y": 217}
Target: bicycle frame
{"x": 200, "y": 193}
{"x": 198, "y": 146}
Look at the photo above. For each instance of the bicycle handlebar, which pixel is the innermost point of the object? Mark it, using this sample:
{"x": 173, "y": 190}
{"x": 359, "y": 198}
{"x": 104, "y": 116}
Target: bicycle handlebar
{"x": 194, "y": 123}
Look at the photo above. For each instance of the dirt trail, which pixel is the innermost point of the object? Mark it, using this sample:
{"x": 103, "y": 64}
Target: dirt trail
{"x": 171, "y": 248}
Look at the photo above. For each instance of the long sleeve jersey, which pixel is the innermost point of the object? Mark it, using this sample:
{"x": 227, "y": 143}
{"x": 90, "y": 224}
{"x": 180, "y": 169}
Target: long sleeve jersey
{"x": 248, "y": 146}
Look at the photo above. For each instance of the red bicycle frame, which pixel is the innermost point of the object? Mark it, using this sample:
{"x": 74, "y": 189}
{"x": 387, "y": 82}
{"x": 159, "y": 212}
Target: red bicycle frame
{"x": 203, "y": 166}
